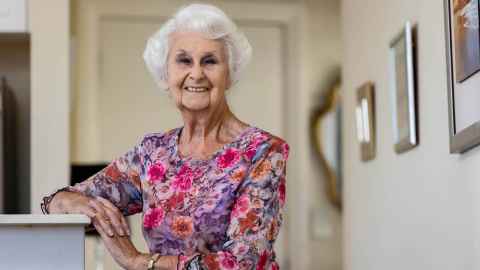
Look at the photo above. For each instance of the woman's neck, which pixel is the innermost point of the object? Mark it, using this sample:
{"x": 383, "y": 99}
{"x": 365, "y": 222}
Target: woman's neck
{"x": 203, "y": 128}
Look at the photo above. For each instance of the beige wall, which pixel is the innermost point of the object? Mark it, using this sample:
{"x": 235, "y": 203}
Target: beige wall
{"x": 50, "y": 76}
{"x": 322, "y": 59}
{"x": 418, "y": 210}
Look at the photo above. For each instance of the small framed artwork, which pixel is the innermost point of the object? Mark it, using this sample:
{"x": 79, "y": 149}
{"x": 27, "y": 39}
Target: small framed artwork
{"x": 365, "y": 118}
{"x": 462, "y": 39}
{"x": 402, "y": 85}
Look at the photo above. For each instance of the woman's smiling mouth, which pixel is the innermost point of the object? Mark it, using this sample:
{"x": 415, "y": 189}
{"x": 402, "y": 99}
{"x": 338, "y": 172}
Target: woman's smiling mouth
{"x": 196, "y": 89}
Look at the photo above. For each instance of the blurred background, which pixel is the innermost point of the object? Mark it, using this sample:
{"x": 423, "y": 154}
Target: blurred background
{"x": 75, "y": 94}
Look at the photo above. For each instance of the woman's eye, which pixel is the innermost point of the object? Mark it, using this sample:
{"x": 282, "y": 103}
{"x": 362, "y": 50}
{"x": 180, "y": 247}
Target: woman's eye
{"x": 184, "y": 61}
{"x": 210, "y": 61}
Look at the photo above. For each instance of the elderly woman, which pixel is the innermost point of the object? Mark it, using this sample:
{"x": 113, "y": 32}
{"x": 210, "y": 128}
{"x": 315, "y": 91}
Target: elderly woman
{"x": 211, "y": 192}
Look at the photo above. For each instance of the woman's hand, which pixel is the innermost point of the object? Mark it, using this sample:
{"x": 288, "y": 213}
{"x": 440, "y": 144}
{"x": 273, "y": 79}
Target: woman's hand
{"x": 108, "y": 217}
{"x": 100, "y": 210}
{"x": 122, "y": 249}
{"x": 128, "y": 257}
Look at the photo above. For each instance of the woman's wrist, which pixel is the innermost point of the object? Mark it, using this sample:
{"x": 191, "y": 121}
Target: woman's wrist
{"x": 57, "y": 204}
{"x": 163, "y": 263}
{"x": 140, "y": 262}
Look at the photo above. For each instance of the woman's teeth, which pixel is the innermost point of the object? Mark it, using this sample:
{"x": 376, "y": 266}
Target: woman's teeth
{"x": 196, "y": 89}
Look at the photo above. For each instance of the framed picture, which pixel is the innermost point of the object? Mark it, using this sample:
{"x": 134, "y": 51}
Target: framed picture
{"x": 463, "y": 62}
{"x": 402, "y": 85}
{"x": 325, "y": 134}
{"x": 365, "y": 118}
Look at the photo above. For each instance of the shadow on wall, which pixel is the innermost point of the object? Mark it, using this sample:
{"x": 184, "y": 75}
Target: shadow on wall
{"x": 15, "y": 123}
{"x": 9, "y": 153}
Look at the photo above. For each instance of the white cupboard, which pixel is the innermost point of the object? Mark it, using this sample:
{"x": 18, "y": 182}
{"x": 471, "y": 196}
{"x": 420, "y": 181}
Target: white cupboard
{"x": 13, "y": 16}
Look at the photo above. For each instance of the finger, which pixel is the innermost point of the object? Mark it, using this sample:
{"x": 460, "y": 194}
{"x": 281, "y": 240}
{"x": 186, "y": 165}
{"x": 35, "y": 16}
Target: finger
{"x": 125, "y": 225}
{"x": 101, "y": 217}
{"x": 107, "y": 203}
{"x": 115, "y": 209}
{"x": 105, "y": 224}
{"x": 119, "y": 215}
{"x": 117, "y": 246}
{"x": 88, "y": 211}
{"x": 101, "y": 231}
{"x": 115, "y": 216}
{"x": 99, "y": 228}
{"x": 112, "y": 215}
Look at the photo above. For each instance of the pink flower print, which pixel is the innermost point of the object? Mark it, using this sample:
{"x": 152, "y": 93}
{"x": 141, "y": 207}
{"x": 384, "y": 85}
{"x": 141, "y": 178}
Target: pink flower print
{"x": 176, "y": 201}
{"x": 262, "y": 261}
{"x": 259, "y": 138}
{"x": 227, "y": 260}
{"x": 285, "y": 151}
{"x": 240, "y": 249}
{"x": 275, "y": 266}
{"x": 185, "y": 170}
{"x": 250, "y": 152}
{"x": 134, "y": 208}
{"x": 253, "y": 146}
{"x": 282, "y": 192}
{"x": 241, "y": 206}
{"x": 182, "y": 183}
{"x": 159, "y": 153}
{"x": 156, "y": 172}
{"x": 153, "y": 217}
{"x": 227, "y": 159}
{"x": 184, "y": 178}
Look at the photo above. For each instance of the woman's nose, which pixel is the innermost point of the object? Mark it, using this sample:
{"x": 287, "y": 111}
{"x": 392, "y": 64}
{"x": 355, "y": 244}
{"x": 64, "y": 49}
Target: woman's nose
{"x": 196, "y": 72}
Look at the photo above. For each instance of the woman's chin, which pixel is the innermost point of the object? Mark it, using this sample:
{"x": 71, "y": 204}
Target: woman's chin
{"x": 196, "y": 106}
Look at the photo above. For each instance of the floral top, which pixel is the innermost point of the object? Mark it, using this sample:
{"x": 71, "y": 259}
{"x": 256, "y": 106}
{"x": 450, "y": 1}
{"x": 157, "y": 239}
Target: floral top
{"x": 219, "y": 213}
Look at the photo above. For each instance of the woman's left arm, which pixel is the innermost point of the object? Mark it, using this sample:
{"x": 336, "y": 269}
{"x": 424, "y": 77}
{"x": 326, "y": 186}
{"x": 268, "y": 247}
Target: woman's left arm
{"x": 128, "y": 257}
{"x": 255, "y": 219}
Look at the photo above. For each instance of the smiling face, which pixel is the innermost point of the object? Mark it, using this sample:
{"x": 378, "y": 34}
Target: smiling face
{"x": 198, "y": 73}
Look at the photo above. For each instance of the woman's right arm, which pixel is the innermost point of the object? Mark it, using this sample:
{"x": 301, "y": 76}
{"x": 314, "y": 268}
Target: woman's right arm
{"x": 97, "y": 209}
{"x": 66, "y": 202}
{"x": 107, "y": 196}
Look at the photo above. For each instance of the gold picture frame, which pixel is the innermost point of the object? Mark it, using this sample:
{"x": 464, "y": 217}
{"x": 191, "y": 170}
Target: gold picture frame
{"x": 331, "y": 166}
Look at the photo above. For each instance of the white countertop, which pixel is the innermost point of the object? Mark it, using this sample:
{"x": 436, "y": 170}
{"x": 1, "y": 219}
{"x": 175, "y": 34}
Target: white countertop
{"x": 44, "y": 220}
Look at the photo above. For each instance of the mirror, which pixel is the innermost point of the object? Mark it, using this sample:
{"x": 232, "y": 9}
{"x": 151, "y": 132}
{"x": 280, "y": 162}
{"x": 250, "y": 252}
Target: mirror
{"x": 325, "y": 134}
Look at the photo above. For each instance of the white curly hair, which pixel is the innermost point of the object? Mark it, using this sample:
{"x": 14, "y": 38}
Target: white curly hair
{"x": 211, "y": 22}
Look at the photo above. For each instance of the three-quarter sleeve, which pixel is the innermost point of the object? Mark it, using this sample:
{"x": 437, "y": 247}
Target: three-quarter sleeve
{"x": 119, "y": 183}
{"x": 255, "y": 218}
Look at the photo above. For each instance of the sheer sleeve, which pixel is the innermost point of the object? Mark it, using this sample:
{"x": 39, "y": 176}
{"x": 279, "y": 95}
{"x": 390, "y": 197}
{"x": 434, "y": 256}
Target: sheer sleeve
{"x": 255, "y": 218}
{"x": 119, "y": 183}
